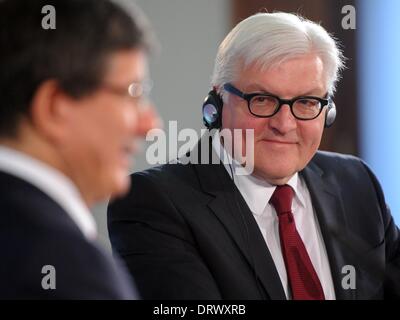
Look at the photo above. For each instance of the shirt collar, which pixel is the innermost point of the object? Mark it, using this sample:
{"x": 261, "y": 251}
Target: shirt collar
{"x": 256, "y": 192}
{"x": 52, "y": 182}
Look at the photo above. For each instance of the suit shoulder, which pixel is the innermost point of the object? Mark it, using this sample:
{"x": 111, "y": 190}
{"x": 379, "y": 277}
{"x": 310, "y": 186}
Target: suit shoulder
{"x": 168, "y": 174}
{"x": 335, "y": 156}
{"x": 83, "y": 269}
{"x": 344, "y": 167}
{"x": 334, "y": 160}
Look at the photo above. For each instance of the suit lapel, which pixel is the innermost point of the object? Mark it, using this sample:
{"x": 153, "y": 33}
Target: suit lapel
{"x": 231, "y": 210}
{"x": 262, "y": 261}
{"x": 332, "y": 220}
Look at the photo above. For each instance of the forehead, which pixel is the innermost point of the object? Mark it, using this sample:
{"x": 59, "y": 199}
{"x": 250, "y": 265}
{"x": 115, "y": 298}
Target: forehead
{"x": 127, "y": 65}
{"x": 297, "y": 76}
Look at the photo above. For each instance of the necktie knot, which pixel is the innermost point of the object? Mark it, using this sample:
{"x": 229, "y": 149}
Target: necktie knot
{"x": 282, "y": 199}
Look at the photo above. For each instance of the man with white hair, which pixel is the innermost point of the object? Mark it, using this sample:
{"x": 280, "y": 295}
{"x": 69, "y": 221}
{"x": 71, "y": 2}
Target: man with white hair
{"x": 304, "y": 225}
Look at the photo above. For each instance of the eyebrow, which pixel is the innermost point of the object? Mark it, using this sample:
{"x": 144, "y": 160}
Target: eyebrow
{"x": 260, "y": 89}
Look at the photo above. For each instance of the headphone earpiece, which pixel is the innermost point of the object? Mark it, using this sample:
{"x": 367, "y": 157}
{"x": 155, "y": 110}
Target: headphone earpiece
{"x": 212, "y": 110}
{"x": 330, "y": 115}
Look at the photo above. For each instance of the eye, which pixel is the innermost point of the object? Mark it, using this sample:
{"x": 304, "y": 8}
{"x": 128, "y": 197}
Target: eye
{"x": 259, "y": 99}
{"x": 264, "y": 100}
{"x": 308, "y": 102}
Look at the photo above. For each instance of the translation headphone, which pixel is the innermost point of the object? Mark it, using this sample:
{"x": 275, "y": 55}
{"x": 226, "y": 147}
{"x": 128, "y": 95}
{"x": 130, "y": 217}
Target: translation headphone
{"x": 330, "y": 114}
{"x": 212, "y": 111}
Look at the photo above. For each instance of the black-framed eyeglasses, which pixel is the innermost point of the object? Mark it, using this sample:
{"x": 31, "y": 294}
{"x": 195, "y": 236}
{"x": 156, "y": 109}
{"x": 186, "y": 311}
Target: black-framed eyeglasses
{"x": 135, "y": 90}
{"x": 267, "y": 105}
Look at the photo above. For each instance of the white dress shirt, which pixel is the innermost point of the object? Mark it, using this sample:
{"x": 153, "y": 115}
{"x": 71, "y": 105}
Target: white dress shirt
{"x": 257, "y": 193}
{"x": 53, "y": 183}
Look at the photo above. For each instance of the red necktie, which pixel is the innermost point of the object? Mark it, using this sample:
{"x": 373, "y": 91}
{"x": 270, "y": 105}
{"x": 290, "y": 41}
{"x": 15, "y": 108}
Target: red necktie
{"x": 303, "y": 279}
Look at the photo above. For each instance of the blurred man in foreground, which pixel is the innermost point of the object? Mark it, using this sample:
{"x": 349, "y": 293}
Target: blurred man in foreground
{"x": 69, "y": 113}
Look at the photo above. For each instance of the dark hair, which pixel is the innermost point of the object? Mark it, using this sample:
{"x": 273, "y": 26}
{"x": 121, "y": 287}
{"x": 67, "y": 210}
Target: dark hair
{"x": 74, "y": 54}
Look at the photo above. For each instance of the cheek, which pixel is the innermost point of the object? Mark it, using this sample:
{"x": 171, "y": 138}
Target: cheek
{"x": 242, "y": 119}
{"x": 106, "y": 134}
{"x": 310, "y": 137}
{"x": 227, "y": 121}
{"x": 120, "y": 122}
{"x": 130, "y": 118}
{"x": 238, "y": 117}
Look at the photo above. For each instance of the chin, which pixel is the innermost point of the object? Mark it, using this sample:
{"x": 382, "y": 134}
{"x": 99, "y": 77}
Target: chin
{"x": 122, "y": 187}
{"x": 116, "y": 185}
{"x": 275, "y": 175}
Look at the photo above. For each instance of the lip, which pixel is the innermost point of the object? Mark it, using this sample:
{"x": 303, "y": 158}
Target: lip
{"x": 125, "y": 158}
{"x": 127, "y": 153}
{"x": 129, "y": 148}
{"x": 279, "y": 141}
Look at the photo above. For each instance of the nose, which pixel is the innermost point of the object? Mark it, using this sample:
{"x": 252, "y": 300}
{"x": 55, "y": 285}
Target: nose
{"x": 147, "y": 118}
{"x": 283, "y": 121}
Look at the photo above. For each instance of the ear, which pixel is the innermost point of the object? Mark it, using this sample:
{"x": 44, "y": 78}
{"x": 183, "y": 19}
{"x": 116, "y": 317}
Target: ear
{"x": 49, "y": 111}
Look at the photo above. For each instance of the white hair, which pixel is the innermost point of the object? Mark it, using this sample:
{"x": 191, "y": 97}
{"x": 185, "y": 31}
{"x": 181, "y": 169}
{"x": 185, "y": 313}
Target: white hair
{"x": 272, "y": 38}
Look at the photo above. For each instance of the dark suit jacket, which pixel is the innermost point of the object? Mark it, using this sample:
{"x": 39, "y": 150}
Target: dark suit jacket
{"x": 185, "y": 232}
{"x": 35, "y": 231}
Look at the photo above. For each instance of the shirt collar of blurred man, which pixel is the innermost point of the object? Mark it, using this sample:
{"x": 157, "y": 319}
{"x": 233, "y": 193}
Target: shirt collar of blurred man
{"x": 53, "y": 183}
